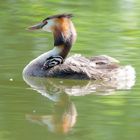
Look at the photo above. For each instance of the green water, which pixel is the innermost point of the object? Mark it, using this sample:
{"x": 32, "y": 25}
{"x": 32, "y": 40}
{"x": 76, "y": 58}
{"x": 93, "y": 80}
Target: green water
{"x": 104, "y": 27}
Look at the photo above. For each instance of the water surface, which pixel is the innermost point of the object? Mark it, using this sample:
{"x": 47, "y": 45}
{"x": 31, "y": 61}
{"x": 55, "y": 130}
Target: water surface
{"x": 104, "y": 27}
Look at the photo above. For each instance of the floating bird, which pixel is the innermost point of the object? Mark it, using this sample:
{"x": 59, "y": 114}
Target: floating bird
{"x": 55, "y": 63}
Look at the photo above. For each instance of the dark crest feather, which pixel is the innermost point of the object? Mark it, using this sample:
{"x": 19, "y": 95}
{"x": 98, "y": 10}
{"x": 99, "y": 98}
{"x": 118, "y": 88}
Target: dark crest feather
{"x": 59, "y": 16}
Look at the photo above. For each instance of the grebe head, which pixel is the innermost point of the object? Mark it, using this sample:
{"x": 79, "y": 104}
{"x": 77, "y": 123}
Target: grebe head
{"x": 52, "y": 23}
{"x": 63, "y": 31}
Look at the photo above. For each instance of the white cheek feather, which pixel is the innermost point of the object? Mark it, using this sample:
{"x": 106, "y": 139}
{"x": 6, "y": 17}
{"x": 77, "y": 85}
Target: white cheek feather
{"x": 48, "y": 26}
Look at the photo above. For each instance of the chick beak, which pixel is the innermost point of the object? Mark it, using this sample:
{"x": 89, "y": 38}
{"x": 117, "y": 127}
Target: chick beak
{"x": 37, "y": 26}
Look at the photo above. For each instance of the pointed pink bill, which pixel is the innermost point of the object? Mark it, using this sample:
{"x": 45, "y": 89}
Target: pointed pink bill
{"x": 37, "y": 26}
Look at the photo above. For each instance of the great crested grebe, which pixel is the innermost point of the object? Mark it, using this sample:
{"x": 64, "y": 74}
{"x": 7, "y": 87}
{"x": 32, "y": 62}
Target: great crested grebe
{"x": 54, "y": 63}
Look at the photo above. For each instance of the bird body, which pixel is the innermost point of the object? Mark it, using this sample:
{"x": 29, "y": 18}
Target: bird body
{"x": 55, "y": 63}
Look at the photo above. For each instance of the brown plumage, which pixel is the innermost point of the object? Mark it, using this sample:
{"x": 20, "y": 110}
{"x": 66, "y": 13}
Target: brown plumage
{"x": 59, "y": 16}
{"x": 75, "y": 67}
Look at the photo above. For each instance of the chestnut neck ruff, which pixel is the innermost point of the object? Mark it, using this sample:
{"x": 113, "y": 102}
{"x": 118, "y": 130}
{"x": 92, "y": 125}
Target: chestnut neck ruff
{"x": 63, "y": 43}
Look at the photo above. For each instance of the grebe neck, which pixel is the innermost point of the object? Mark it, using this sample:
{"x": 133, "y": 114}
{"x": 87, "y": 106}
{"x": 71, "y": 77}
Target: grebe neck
{"x": 64, "y": 38}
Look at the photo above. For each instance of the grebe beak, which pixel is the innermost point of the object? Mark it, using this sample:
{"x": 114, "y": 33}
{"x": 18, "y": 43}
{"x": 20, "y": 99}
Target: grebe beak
{"x": 37, "y": 26}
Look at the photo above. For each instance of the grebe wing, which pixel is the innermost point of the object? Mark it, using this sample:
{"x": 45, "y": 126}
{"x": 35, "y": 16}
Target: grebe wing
{"x": 79, "y": 67}
{"x": 104, "y": 59}
{"x": 75, "y": 67}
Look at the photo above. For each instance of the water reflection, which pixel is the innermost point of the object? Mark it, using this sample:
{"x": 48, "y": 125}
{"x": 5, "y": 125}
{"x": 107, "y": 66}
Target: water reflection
{"x": 64, "y": 114}
{"x": 52, "y": 88}
{"x": 62, "y": 119}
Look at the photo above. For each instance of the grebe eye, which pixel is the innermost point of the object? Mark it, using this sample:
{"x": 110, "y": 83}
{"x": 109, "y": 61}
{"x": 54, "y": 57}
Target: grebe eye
{"x": 45, "y": 21}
